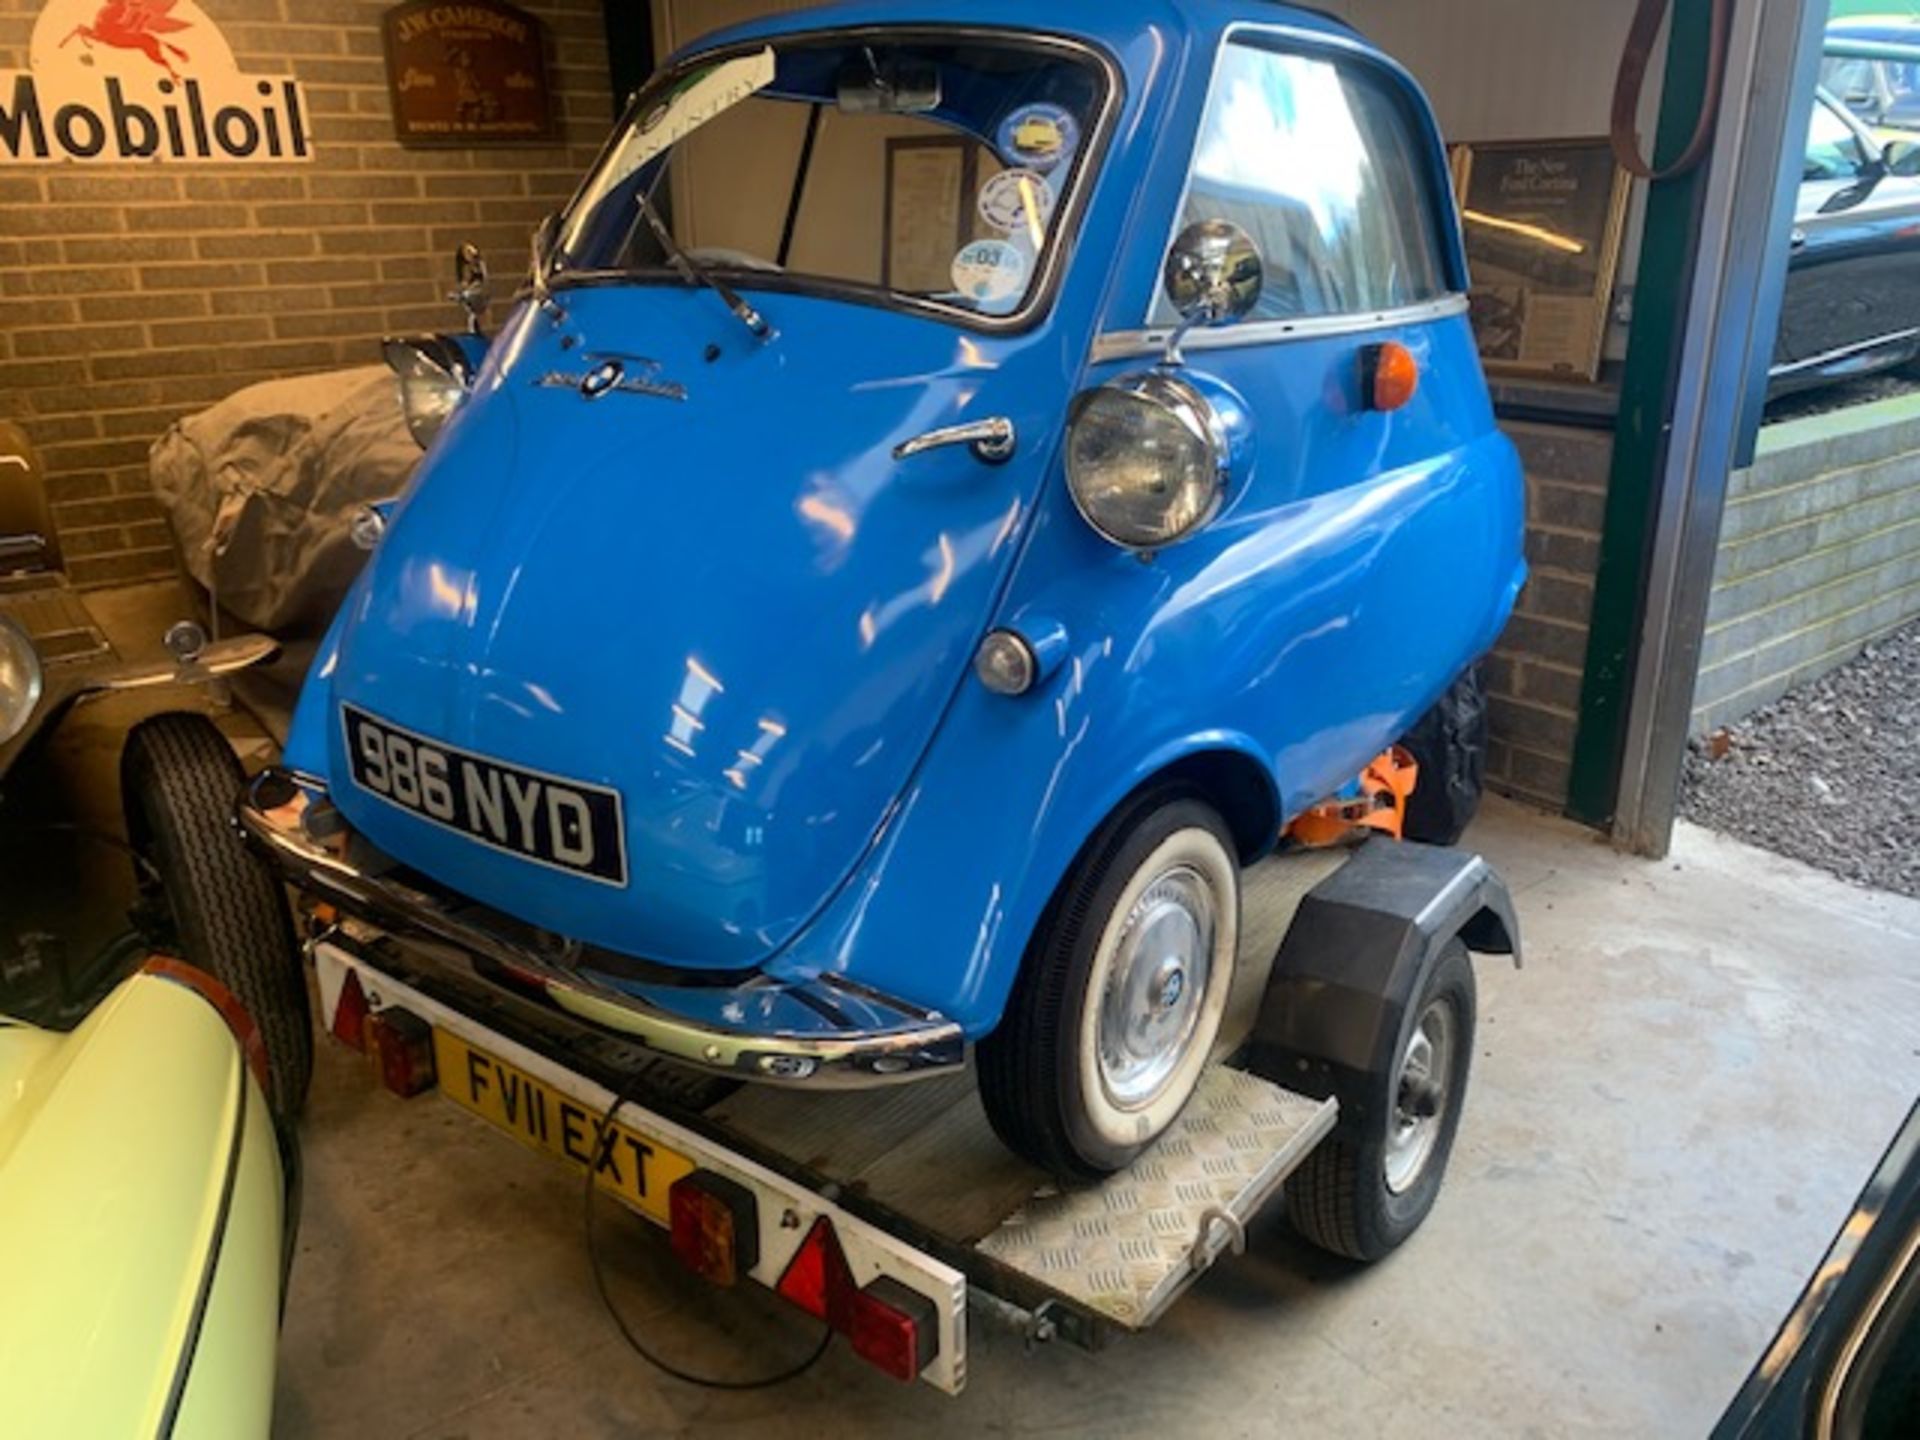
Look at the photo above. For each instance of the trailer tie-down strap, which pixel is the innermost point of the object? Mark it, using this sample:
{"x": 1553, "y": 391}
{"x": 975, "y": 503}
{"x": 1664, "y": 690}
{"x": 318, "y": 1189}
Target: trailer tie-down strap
{"x": 1632, "y": 80}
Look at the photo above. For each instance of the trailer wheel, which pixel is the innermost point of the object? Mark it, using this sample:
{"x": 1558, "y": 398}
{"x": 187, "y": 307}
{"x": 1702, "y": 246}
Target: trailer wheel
{"x": 215, "y": 902}
{"x": 1361, "y": 1196}
{"x": 1121, "y": 991}
{"x": 1449, "y": 743}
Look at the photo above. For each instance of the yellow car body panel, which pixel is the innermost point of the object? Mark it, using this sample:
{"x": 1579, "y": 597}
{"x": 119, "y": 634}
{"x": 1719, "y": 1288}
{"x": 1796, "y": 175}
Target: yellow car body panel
{"x": 141, "y": 1209}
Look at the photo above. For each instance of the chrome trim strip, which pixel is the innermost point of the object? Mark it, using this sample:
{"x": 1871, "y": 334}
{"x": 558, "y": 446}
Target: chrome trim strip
{"x": 1132, "y": 344}
{"x": 1892, "y": 340}
{"x": 345, "y": 871}
{"x": 222, "y": 657}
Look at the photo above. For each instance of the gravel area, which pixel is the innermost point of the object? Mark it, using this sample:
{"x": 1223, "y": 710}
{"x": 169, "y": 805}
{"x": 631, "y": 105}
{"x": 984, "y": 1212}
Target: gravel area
{"x": 1827, "y": 773}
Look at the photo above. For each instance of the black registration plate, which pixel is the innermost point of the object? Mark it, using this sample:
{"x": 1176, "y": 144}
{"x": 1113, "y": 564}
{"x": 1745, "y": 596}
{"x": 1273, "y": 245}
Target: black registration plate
{"x": 561, "y": 823}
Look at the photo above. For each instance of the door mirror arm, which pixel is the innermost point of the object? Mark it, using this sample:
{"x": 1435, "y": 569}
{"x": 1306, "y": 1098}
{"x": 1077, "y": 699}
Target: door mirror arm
{"x": 1213, "y": 276}
{"x": 471, "y": 289}
{"x": 1858, "y": 193}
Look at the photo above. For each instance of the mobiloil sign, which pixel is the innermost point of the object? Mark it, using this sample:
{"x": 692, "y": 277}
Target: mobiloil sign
{"x": 120, "y": 80}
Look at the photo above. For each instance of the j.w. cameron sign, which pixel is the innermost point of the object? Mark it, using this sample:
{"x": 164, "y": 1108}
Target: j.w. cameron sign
{"x": 133, "y": 80}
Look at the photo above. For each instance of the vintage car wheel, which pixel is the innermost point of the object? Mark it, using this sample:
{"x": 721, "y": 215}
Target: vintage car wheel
{"x": 1361, "y": 1196}
{"x": 1449, "y": 743}
{"x": 1121, "y": 992}
{"x": 224, "y": 910}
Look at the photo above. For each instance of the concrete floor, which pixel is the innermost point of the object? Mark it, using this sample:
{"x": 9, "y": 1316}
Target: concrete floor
{"x": 1671, "y": 1109}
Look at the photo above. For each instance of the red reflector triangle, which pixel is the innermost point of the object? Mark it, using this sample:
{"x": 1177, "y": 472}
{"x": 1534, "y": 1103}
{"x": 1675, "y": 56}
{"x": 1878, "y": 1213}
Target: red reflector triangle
{"x": 817, "y": 1278}
{"x": 350, "y": 1013}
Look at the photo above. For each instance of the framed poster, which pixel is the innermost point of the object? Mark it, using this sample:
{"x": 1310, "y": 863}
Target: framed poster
{"x": 468, "y": 74}
{"x": 930, "y": 184}
{"x": 1543, "y": 221}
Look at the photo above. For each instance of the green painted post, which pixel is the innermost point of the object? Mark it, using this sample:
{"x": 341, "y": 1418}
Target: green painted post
{"x": 1661, "y": 297}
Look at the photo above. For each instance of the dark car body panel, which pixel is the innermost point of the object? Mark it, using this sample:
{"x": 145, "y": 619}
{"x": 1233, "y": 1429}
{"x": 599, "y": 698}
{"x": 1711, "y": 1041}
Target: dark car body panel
{"x": 1852, "y": 302}
{"x": 1847, "y": 1359}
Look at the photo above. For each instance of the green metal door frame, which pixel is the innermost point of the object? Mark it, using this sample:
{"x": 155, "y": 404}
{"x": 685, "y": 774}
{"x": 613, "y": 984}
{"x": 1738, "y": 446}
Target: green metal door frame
{"x": 1641, "y": 433}
{"x": 1712, "y": 270}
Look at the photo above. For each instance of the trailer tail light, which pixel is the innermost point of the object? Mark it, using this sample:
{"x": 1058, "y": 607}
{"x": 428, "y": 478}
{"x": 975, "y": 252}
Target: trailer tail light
{"x": 891, "y": 1326}
{"x": 350, "y": 1014}
{"x": 399, "y": 1045}
{"x": 895, "y": 1327}
{"x": 715, "y": 1226}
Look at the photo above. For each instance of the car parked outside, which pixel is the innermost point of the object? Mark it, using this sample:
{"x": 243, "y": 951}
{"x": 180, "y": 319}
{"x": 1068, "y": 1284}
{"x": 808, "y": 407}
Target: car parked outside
{"x": 1872, "y": 64}
{"x": 1852, "y": 303}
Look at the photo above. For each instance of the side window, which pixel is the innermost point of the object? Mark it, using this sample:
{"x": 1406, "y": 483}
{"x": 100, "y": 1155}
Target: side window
{"x": 1318, "y": 160}
{"x": 1833, "y": 150}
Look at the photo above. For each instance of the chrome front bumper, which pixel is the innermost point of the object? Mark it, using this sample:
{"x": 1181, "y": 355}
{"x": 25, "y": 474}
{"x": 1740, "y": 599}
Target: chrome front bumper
{"x": 827, "y": 1032}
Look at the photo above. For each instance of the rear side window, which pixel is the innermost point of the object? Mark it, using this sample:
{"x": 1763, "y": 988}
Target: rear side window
{"x": 1321, "y": 161}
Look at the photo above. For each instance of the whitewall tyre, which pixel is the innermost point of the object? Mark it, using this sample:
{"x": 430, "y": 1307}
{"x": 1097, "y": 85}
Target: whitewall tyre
{"x": 1121, "y": 992}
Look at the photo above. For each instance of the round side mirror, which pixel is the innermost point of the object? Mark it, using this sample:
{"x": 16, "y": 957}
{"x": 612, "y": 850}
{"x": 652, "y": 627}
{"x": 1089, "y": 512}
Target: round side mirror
{"x": 1214, "y": 274}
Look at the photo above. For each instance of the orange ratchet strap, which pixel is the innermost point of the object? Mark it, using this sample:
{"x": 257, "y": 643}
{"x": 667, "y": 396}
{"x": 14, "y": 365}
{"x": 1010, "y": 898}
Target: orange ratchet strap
{"x": 1382, "y": 804}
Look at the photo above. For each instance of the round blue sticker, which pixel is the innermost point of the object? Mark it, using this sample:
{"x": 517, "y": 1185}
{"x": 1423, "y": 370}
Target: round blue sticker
{"x": 990, "y": 272}
{"x": 1038, "y": 136}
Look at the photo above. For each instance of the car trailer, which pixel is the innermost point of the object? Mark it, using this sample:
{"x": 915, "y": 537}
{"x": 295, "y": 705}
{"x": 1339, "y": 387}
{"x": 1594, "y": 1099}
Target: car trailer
{"x": 891, "y": 1214}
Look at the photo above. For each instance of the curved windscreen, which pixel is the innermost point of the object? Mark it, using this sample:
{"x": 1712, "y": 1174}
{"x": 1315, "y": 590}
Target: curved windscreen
{"x": 926, "y": 170}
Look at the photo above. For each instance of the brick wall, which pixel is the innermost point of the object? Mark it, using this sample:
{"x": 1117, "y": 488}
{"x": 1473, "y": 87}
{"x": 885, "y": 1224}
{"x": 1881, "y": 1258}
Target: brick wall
{"x": 130, "y": 295}
{"x": 1819, "y": 554}
{"x": 1534, "y": 674}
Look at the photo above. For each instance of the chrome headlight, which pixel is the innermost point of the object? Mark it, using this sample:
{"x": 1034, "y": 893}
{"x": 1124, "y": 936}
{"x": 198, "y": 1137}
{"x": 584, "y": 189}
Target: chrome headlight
{"x": 1147, "y": 459}
{"x": 20, "y": 679}
{"x": 434, "y": 376}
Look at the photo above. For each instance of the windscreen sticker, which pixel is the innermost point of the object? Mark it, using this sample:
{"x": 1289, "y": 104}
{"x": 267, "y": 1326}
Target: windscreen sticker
{"x": 692, "y": 103}
{"x": 1018, "y": 202}
{"x": 990, "y": 272}
{"x": 1038, "y": 137}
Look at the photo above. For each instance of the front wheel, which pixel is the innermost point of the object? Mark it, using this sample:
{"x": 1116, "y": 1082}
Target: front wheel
{"x": 1120, "y": 993}
{"x": 1360, "y": 1195}
{"x": 223, "y": 909}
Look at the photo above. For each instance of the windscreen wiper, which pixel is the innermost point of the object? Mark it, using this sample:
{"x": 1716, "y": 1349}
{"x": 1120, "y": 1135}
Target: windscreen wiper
{"x": 696, "y": 274}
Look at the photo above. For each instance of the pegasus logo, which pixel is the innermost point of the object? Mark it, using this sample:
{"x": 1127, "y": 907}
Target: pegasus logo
{"x": 135, "y": 25}
{"x": 109, "y": 82}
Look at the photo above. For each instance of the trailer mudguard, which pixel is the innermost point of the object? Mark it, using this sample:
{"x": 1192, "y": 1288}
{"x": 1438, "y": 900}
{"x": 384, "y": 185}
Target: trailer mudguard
{"x": 1354, "y": 957}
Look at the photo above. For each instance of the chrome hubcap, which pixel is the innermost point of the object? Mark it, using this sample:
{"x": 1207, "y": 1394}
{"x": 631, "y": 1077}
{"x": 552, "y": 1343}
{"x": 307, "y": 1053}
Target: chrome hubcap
{"x": 1155, "y": 986}
{"x": 1420, "y": 1097}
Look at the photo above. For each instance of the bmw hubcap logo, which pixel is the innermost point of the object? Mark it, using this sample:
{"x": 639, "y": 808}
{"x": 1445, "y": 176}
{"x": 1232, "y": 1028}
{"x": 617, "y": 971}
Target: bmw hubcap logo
{"x": 601, "y": 379}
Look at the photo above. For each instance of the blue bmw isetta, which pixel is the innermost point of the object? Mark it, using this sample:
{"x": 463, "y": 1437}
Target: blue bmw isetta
{"x": 952, "y": 490}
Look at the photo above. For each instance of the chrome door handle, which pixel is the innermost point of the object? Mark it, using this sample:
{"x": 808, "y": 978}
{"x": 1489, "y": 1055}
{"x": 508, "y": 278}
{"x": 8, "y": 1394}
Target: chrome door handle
{"x": 992, "y": 440}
